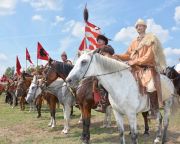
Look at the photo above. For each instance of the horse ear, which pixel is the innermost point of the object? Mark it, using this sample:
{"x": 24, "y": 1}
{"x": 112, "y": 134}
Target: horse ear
{"x": 173, "y": 66}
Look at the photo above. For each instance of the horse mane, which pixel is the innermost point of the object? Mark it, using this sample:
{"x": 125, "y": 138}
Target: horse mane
{"x": 62, "y": 68}
{"x": 110, "y": 64}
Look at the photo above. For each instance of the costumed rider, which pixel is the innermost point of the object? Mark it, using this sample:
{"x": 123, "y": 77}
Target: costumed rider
{"x": 145, "y": 56}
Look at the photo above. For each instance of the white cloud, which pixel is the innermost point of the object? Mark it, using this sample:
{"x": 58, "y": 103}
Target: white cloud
{"x": 177, "y": 15}
{"x": 65, "y": 43}
{"x": 7, "y": 7}
{"x": 37, "y": 18}
{"x": 58, "y": 19}
{"x": 45, "y": 4}
{"x": 76, "y": 28}
{"x": 172, "y": 51}
{"x": 175, "y": 28}
{"x": 3, "y": 57}
{"x": 68, "y": 26}
{"x": 2, "y": 70}
{"x": 125, "y": 35}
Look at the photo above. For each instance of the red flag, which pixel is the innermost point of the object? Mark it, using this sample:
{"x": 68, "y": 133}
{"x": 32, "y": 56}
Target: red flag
{"x": 83, "y": 45}
{"x": 28, "y": 56}
{"x": 18, "y": 66}
{"x": 41, "y": 53}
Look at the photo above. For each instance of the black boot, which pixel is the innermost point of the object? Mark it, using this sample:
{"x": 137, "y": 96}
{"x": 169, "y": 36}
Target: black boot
{"x": 154, "y": 105}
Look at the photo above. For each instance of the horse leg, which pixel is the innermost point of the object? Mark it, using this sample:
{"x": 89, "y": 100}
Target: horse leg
{"x": 86, "y": 115}
{"x": 30, "y": 107}
{"x": 67, "y": 112}
{"x": 53, "y": 112}
{"x": 23, "y": 103}
{"x": 167, "y": 106}
{"x": 120, "y": 124}
{"x": 159, "y": 131}
{"x": 14, "y": 100}
{"x": 107, "y": 117}
{"x": 146, "y": 130}
{"x": 38, "y": 102}
{"x": 80, "y": 119}
{"x": 71, "y": 110}
{"x": 133, "y": 127}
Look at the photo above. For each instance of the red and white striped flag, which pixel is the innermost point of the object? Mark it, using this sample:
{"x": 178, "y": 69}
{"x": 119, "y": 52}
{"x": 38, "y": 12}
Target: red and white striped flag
{"x": 91, "y": 33}
{"x": 83, "y": 45}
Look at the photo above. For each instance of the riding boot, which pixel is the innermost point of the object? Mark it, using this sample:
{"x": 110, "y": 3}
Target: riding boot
{"x": 154, "y": 105}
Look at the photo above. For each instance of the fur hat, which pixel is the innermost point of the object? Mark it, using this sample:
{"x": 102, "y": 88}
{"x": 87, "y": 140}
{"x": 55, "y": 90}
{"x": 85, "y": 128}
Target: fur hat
{"x": 140, "y": 22}
{"x": 102, "y": 37}
{"x": 64, "y": 54}
{"x": 108, "y": 49}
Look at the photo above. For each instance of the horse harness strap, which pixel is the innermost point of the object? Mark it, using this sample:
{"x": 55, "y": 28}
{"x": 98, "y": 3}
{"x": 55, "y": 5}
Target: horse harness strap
{"x": 104, "y": 73}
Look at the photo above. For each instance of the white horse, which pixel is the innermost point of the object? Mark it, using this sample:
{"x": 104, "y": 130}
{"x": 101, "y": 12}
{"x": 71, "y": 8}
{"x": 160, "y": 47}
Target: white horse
{"x": 124, "y": 97}
{"x": 59, "y": 89}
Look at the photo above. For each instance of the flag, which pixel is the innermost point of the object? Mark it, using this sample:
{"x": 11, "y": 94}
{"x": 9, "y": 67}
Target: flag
{"x": 91, "y": 33}
{"x": 28, "y": 56}
{"x": 83, "y": 45}
{"x": 18, "y": 66}
{"x": 41, "y": 53}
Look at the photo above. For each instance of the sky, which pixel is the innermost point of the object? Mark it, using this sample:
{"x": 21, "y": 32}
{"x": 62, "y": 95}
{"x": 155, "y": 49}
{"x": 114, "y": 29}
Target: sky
{"x": 59, "y": 26}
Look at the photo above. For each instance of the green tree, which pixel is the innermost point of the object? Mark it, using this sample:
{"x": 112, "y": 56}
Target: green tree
{"x": 9, "y": 72}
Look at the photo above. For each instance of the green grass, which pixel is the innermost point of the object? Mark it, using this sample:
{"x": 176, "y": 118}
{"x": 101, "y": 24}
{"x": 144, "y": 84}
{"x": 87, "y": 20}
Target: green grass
{"x": 22, "y": 127}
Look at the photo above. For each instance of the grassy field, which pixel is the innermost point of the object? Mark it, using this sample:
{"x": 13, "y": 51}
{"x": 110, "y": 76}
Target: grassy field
{"x": 22, "y": 127}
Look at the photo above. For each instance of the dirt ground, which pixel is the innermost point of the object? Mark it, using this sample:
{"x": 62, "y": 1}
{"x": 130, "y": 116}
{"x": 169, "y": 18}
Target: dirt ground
{"x": 22, "y": 127}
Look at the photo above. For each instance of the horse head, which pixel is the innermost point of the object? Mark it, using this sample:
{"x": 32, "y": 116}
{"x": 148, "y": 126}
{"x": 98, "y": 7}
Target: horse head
{"x": 80, "y": 69}
{"x": 171, "y": 72}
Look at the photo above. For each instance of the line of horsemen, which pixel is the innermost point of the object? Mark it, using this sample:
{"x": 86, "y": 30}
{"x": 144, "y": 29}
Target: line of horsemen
{"x": 145, "y": 56}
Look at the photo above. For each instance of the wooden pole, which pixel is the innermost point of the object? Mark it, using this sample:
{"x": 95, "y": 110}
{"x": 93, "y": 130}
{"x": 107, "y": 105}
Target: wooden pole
{"x": 26, "y": 65}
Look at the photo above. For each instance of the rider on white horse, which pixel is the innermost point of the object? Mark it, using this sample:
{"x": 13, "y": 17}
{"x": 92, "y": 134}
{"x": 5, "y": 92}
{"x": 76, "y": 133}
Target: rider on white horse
{"x": 147, "y": 59}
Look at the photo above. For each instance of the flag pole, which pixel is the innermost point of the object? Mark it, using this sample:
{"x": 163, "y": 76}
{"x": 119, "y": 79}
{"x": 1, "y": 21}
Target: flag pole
{"x": 26, "y": 65}
{"x": 37, "y": 62}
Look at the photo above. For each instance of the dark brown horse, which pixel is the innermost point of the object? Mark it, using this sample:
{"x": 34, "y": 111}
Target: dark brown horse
{"x": 10, "y": 93}
{"x": 175, "y": 77}
{"x": 57, "y": 69}
{"x": 23, "y": 84}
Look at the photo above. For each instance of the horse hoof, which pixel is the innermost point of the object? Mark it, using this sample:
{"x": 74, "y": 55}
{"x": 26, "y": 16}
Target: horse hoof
{"x": 49, "y": 125}
{"x": 106, "y": 126}
{"x": 80, "y": 122}
{"x": 64, "y": 131}
{"x": 157, "y": 140}
{"x": 85, "y": 142}
{"x": 146, "y": 134}
{"x": 38, "y": 116}
{"x": 53, "y": 126}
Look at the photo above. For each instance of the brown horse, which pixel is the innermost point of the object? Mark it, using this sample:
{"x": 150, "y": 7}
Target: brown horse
{"x": 10, "y": 93}
{"x": 23, "y": 84}
{"x": 52, "y": 102}
{"x": 57, "y": 69}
